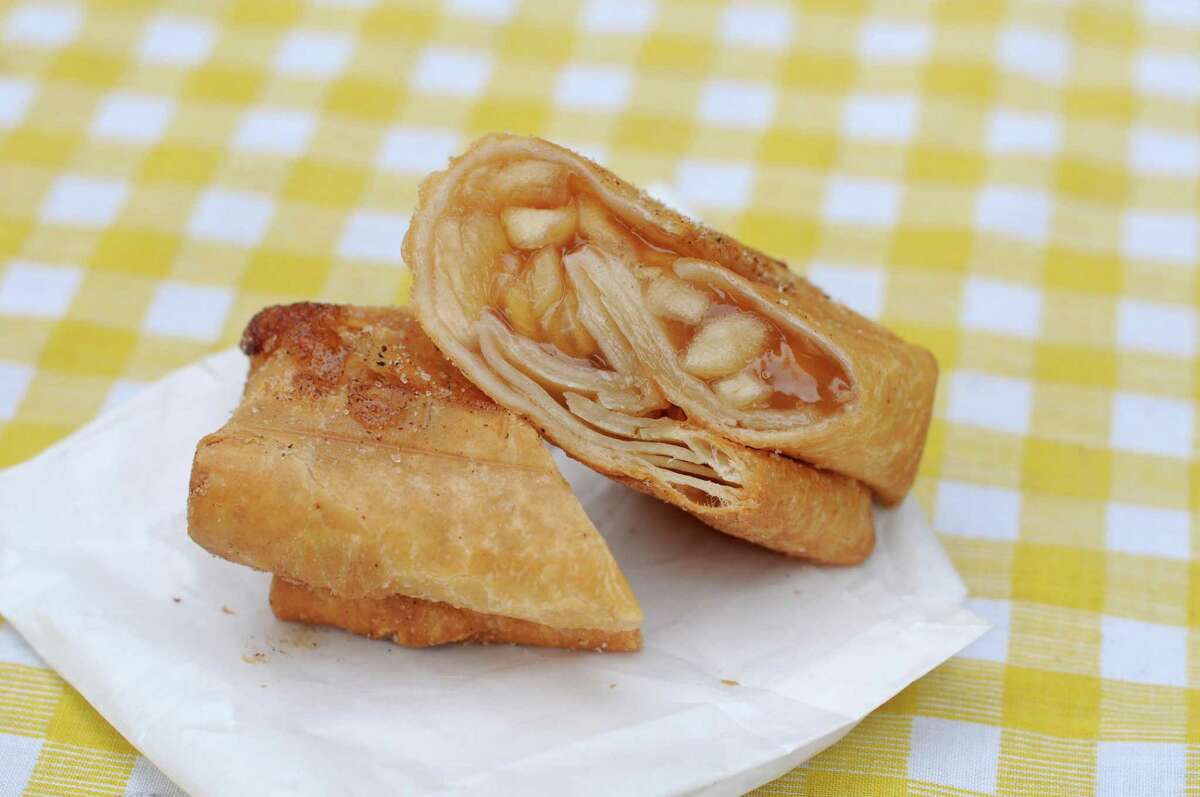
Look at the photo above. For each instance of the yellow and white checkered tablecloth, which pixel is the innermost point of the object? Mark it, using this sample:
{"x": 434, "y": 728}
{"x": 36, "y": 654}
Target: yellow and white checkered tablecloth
{"x": 1016, "y": 185}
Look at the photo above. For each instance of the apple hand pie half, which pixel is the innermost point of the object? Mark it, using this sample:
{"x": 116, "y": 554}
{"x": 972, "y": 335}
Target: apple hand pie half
{"x": 665, "y": 354}
{"x": 392, "y": 498}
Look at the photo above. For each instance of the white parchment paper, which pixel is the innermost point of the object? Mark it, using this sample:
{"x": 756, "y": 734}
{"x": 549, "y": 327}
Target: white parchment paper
{"x": 753, "y": 662}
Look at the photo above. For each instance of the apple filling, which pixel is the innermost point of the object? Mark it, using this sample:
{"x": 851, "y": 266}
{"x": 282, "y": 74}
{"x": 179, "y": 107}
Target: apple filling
{"x": 576, "y": 310}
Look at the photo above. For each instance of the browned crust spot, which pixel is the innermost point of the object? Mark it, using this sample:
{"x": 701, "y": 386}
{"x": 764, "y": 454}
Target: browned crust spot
{"x": 308, "y": 332}
{"x": 381, "y": 355}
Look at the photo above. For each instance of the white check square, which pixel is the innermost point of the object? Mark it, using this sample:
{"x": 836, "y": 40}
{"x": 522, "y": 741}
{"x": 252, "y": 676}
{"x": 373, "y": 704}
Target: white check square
{"x": 175, "y": 40}
{"x": 1151, "y": 425}
{"x": 20, "y": 755}
{"x": 370, "y": 235}
{"x": 893, "y": 41}
{"x": 16, "y": 94}
{"x": 1131, "y": 650}
{"x": 1034, "y": 53}
{"x": 763, "y": 27}
{"x": 1141, "y": 769}
{"x": 491, "y": 11}
{"x": 735, "y": 103}
{"x": 1156, "y": 327}
{"x": 705, "y": 183}
{"x": 1162, "y": 152}
{"x": 1170, "y": 237}
{"x": 1175, "y": 77}
{"x": 275, "y": 131}
{"x": 863, "y": 201}
{"x": 231, "y": 217}
{"x": 134, "y": 117}
{"x": 452, "y": 71}
{"x": 1177, "y": 13}
{"x": 84, "y": 201}
{"x": 1012, "y": 132}
{"x": 861, "y": 289}
{"x": 43, "y": 25}
{"x": 184, "y": 310}
{"x": 992, "y": 646}
{"x": 1148, "y": 530}
{"x": 1014, "y": 211}
{"x": 14, "y": 381}
{"x": 146, "y": 780}
{"x": 625, "y": 18}
{"x": 973, "y": 510}
{"x": 593, "y": 86}
{"x": 960, "y": 755}
{"x": 989, "y": 401}
{"x": 1009, "y": 308}
{"x": 38, "y": 290}
{"x": 880, "y": 117}
{"x": 313, "y": 53}
{"x": 416, "y": 150}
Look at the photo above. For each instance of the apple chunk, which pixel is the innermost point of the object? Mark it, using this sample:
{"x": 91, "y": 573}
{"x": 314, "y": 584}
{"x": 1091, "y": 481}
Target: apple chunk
{"x": 743, "y": 389}
{"x": 668, "y": 297}
{"x": 532, "y": 182}
{"x": 725, "y": 345}
{"x": 545, "y": 280}
{"x": 533, "y": 228}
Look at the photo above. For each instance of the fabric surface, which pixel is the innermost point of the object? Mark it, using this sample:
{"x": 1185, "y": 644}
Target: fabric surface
{"x": 1015, "y": 185}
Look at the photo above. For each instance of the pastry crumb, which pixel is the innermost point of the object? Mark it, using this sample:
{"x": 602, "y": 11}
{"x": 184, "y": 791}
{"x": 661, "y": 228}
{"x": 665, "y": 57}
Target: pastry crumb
{"x": 227, "y": 610}
{"x": 729, "y": 682}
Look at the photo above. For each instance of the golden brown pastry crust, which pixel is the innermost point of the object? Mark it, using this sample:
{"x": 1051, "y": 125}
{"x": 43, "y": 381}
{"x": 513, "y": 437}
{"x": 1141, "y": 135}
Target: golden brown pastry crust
{"x": 877, "y": 437}
{"x": 361, "y": 462}
{"x": 416, "y": 623}
{"x": 785, "y": 506}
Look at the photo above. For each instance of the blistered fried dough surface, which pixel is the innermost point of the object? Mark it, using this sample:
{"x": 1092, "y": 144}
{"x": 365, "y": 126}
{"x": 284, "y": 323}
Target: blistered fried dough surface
{"x": 361, "y": 462}
{"x": 418, "y": 624}
{"x": 561, "y": 292}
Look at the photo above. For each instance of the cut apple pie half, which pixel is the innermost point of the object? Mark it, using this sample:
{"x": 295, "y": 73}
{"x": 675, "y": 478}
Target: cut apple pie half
{"x": 666, "y": 354}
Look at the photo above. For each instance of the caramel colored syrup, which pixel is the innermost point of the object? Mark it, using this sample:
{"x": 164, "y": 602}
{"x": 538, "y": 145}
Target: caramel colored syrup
{"x": 799, "y": 372}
